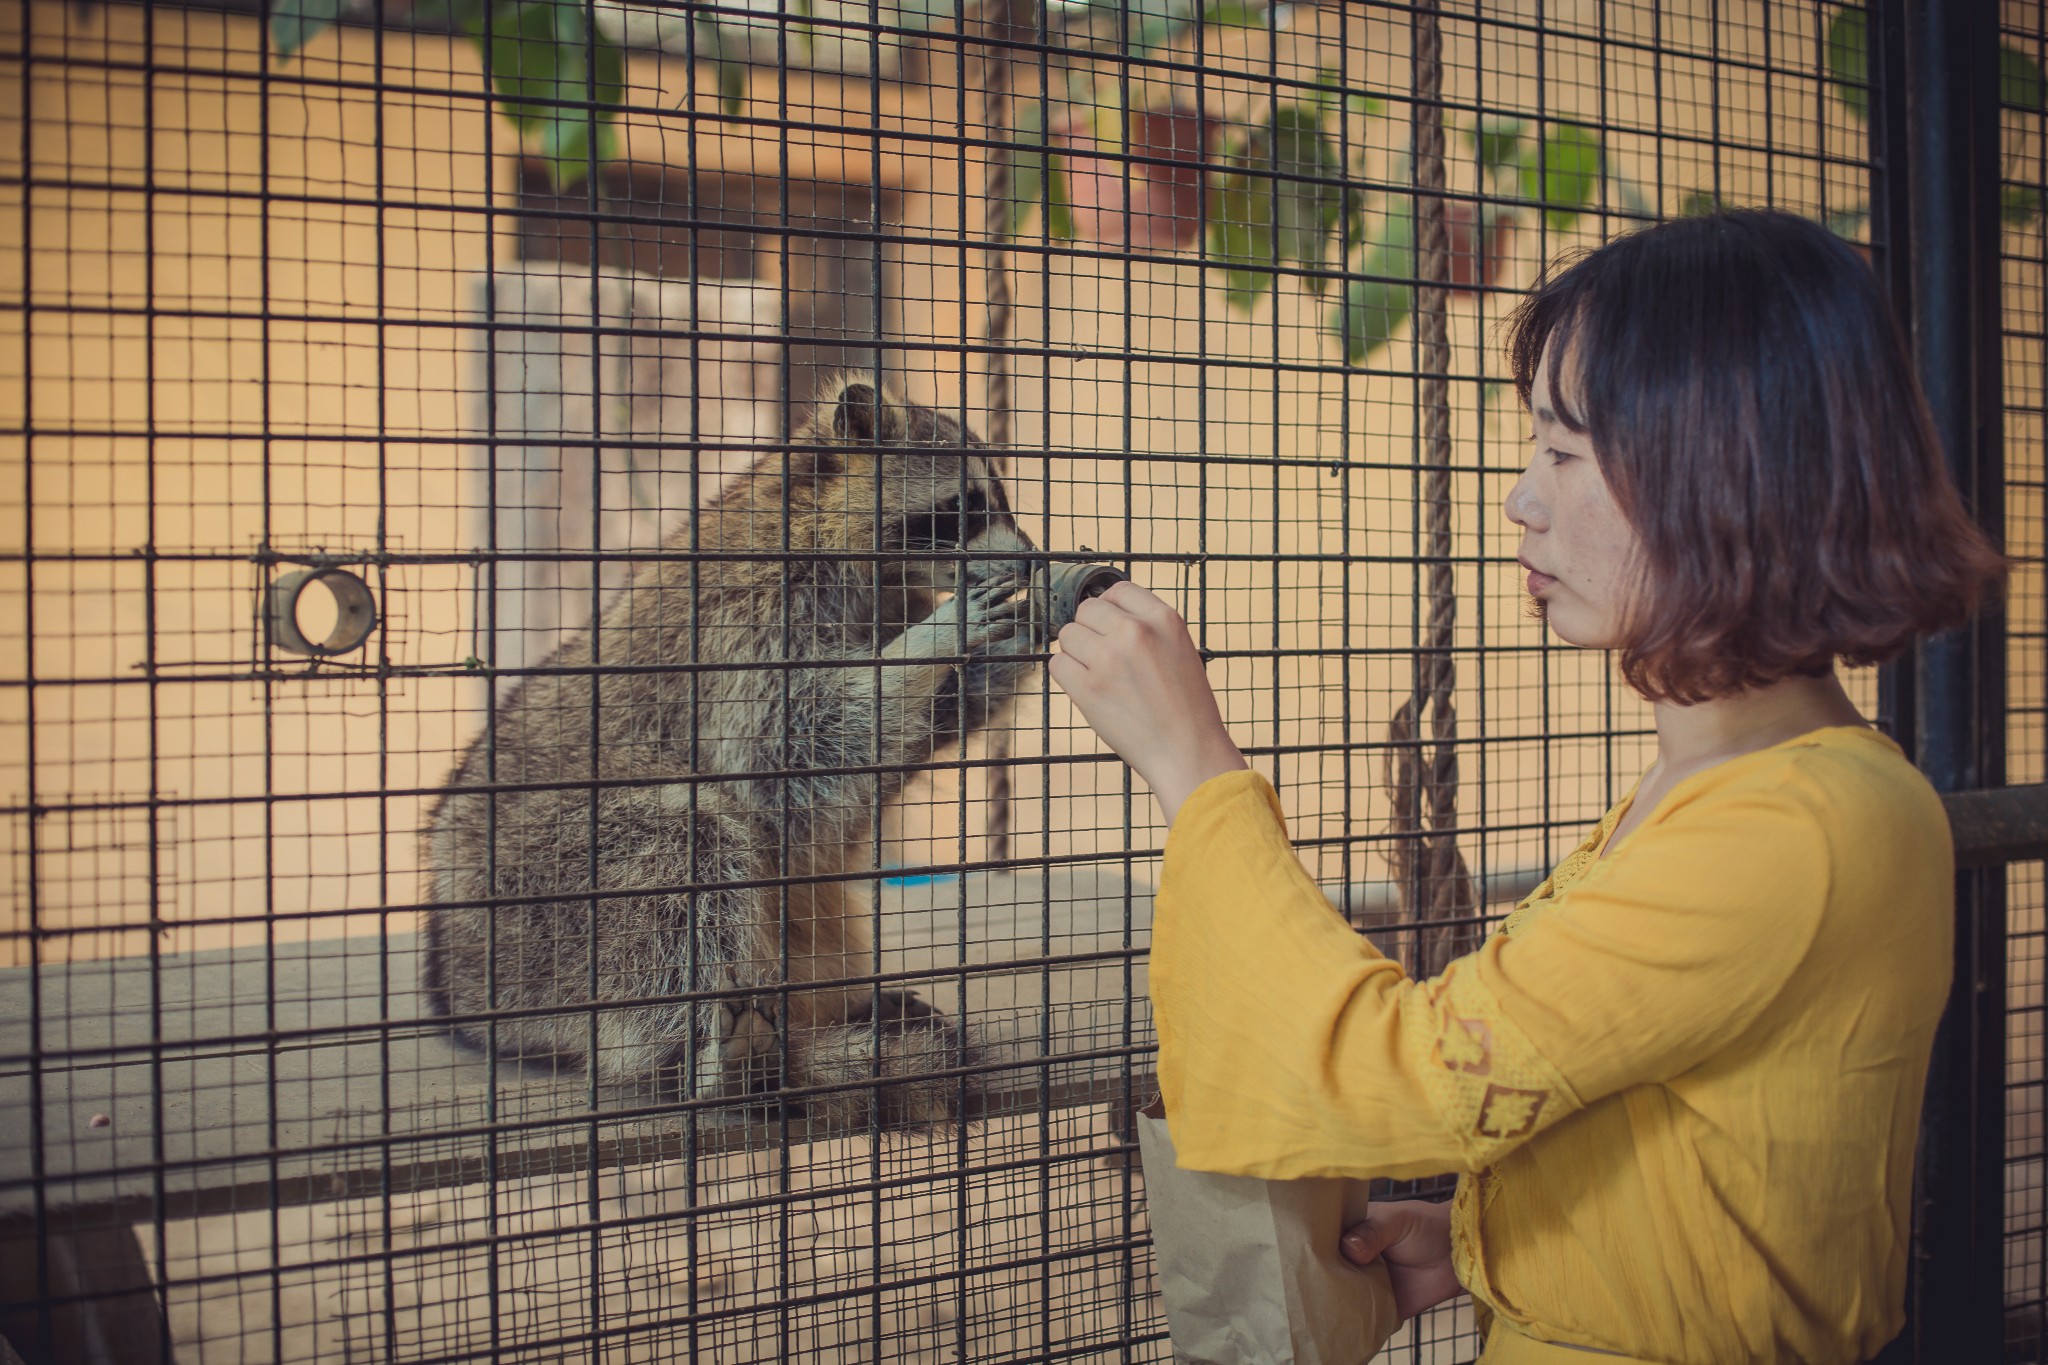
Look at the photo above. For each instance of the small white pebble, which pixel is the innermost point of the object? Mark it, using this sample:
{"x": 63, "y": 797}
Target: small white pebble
{"x": 99, "y": 1121}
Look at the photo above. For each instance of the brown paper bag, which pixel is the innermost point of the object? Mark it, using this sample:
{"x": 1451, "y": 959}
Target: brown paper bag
{"x": 1249, "y": 1269}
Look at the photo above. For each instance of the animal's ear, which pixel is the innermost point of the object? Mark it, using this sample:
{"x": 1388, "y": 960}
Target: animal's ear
{"x": 862, "y": 414}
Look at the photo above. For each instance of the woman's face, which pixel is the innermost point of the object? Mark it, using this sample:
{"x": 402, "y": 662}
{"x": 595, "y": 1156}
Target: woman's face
{"x": 1578, "y": 548}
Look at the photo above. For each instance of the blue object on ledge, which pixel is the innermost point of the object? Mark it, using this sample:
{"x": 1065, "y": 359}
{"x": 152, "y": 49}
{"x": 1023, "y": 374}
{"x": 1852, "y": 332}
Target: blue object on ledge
{"x": 921, "y": 879}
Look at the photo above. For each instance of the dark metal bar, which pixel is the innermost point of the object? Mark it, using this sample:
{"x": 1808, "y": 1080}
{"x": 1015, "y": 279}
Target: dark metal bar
{"x": 1998, "y": 826}
{"x": 1891, "y": 234}
{"x": 1949, "y": 76}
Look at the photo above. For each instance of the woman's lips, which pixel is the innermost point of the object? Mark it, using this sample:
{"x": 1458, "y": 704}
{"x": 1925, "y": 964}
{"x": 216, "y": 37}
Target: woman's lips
{"x": 1538, "y": 582}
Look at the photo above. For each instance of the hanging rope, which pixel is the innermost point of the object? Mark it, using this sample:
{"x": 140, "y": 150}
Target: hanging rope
{"x": 1422, "y": 779}
{"x": 996, "y": 192}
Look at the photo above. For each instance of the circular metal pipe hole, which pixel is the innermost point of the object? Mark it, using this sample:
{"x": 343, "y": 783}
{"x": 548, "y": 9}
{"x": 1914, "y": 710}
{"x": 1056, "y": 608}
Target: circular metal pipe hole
{"x": 288, "y": 609}
{"x": 1063, "y": 589}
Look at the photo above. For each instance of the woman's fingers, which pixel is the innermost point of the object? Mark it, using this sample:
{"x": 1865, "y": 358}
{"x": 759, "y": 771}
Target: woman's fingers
{"x": 1412, "y": 1238}
{"x": 1405, "y": 1231}
{"x": 1363, "y": 1242}
{"x": 1079, "y": 641}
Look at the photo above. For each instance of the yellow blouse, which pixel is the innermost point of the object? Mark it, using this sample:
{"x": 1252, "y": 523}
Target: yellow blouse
{"x": 1682, "y": 1081}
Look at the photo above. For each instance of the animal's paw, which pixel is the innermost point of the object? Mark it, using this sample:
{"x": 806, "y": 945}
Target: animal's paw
{"x": 995, "y": 612}
{"x": 970, "y": 622}
{"x": 885, "y": 1069}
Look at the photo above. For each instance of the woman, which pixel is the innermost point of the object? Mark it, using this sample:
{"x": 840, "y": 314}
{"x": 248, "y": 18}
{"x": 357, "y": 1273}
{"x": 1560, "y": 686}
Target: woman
{"x": 1681, "y": 1083}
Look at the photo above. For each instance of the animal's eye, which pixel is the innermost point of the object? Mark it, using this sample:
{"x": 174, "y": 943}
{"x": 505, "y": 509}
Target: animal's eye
{"x": 975, "y": 503}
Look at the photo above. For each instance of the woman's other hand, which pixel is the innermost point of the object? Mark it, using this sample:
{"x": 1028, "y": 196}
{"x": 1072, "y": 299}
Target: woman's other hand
{"x": 1128, "y": 663}
{"x": 1413, "y": 1238}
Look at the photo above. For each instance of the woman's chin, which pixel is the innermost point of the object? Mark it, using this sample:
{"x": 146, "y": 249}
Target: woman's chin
{"x": 1569, "y": 629}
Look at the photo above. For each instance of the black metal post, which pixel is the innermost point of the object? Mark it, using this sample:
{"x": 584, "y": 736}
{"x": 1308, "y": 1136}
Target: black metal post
{"x": 1947, "y": 53}
{"x": 1891, "y": 233}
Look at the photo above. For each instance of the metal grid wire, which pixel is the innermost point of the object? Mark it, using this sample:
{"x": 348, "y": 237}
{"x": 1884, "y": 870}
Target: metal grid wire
{"x": 2023, "y": 177}
{"x": 508, "y": 987}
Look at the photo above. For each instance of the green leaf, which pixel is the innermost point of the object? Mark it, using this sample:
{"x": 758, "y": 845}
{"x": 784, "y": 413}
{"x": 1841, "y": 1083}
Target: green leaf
{"x": 1307, "y": 209}
{"x": 2019, "y": 205}
{"x": 1633, "y": 200}
{"x": 1847, "y": 223}
{"x": 728, "y": 73}
{"x": 548, "y": 50}
{"x": 2020, "y": 82}
{"x": 1562, "y": 173}
{"x": 919, "y": 15}
{"x": 1035, "y": 175}
{"x": 1366, "y": 105}
{"x": 1326, "y": 100}
{"x": 1372, "y": 311}
{"x": 732, "y": 86}
{"x": 432, "y": 14}
{"x": 294, "y": 23}
{"x": 1237, "y": 14}
{"x": 1149, "y": 29}
{"x": 1497, "y": 143}
{"x": 1027, "y": 168}
{"x": 1375, "y": 307}
{"x": 566, "y": 146}
{"x": 1849, "y": 61}
{"x": 1698, "y": 204}
{"x": 1059, "y": 211}
{"x": 1241, "y": 237}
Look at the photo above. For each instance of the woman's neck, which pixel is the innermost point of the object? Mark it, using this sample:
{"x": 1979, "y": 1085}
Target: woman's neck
{"x": 1692, "y": 738}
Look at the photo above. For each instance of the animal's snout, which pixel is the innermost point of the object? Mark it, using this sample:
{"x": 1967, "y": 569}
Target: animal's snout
{"x": 1000, "y": 550}
{"x": 1057, "y": 590}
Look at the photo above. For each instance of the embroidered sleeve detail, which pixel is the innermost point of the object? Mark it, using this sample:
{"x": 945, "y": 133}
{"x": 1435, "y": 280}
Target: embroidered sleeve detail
{"x": 1489, "y": 1085}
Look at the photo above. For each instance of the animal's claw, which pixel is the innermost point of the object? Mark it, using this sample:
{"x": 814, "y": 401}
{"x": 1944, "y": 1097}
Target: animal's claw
{"x": 989, "y": 596}
{"x": 995, "y": 609}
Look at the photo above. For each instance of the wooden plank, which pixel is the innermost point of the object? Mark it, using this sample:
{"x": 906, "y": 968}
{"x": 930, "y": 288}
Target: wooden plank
{"x": 314, "y": 1071}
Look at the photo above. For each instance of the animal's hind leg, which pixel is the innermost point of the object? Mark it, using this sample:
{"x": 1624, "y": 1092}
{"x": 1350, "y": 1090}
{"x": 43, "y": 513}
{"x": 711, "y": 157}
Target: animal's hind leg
{"x": 884, "y": 1057}
{"x": 681, "y": 972}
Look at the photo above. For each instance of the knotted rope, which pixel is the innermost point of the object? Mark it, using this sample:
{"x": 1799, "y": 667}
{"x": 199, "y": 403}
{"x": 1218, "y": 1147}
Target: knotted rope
{"x": 996, "y": 192}
{"x": 1421, "y": 779}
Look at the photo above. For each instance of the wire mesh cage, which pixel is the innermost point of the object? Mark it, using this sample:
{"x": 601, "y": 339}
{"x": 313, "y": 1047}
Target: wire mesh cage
{"x": 536, "y": 825}
{"x": 2021, "y": 258}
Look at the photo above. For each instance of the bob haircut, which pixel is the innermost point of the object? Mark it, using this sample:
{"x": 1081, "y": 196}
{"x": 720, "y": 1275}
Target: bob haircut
{"x": 1748, "y": 396}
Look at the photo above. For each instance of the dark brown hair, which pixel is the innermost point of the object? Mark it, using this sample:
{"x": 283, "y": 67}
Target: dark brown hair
{"x": 1746, "y": 388}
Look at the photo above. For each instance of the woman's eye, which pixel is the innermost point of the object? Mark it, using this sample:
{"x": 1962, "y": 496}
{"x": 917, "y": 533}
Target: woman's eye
{"x": 1560, "y": 456}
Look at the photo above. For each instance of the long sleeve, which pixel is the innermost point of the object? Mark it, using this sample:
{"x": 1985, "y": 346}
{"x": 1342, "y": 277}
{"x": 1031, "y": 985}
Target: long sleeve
{"x": 1289, "y": 1046}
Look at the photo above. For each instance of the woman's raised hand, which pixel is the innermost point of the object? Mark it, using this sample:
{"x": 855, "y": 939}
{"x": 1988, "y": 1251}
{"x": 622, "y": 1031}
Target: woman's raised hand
{"x": 1129, "y": 665}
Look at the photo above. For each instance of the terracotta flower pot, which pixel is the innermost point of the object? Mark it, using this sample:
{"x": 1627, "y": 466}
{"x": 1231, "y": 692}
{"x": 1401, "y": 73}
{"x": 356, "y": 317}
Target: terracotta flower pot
{"x": 1473, "y": 267}
{"x": 1164, "y": 202}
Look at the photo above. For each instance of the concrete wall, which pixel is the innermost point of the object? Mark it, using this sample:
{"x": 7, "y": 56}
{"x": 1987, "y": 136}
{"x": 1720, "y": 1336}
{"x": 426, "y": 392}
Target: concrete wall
{"x": 244, "y": 298}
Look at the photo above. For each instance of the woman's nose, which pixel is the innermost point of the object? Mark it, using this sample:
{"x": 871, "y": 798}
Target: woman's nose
{"x": 1521, "y": 505}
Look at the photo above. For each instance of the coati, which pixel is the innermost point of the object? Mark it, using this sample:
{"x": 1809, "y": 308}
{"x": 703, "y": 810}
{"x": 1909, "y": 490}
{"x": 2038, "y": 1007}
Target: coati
{"x": 685, "y": 796}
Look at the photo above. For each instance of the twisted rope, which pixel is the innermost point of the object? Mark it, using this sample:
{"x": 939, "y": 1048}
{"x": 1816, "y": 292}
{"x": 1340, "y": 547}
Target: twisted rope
{"x": 1429, "y": 872}
{"x": 996, "y": 192}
